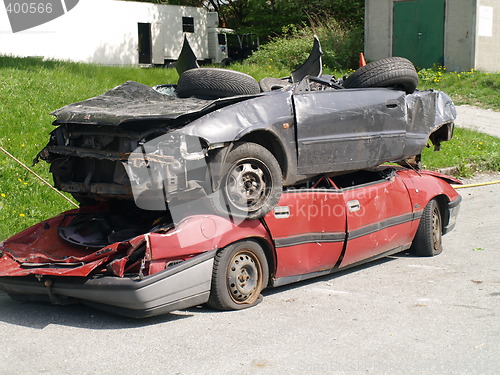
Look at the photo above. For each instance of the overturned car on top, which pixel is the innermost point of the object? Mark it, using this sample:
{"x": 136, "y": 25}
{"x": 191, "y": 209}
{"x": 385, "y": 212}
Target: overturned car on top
{"x": 219, "y": 134}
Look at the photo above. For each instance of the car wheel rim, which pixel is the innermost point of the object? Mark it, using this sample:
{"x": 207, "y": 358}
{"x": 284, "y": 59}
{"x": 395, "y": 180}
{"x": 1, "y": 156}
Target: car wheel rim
{"x": 248, "y": 185}
{"x": 436, "y": 230}
{"x": 244, "y": 277}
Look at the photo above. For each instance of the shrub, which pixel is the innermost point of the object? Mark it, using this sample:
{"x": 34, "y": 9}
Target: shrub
{"x": 341, "y": 46}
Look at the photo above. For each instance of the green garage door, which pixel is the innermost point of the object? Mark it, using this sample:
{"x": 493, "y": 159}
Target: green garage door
{"x": 419, "y": 31}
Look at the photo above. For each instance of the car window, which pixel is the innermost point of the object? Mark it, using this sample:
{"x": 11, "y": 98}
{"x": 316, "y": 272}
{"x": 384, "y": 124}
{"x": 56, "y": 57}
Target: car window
{"x": 354, "y": 179}
{"x": 320, "y": 183}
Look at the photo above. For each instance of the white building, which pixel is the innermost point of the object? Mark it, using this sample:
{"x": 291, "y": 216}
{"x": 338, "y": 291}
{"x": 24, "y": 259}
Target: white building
{"x": 115, "y": 32}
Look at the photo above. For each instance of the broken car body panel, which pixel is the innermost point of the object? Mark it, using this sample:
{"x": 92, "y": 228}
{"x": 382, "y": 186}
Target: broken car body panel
{"x": 311, "y": 128}
{"x": 315, "y": 229}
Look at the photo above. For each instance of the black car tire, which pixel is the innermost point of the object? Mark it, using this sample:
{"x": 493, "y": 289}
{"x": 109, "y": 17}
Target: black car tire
{"x": 240, "y": 274}
{"x": 388, "y": 72}
{"x": 428, "y": 240}
{"x": 226, "y": 61}
{"x": 248, "y": 181}
{"x": 213, "y": 83}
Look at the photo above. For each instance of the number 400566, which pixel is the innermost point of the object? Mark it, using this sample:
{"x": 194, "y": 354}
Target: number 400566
{"x": 29, "y": 8}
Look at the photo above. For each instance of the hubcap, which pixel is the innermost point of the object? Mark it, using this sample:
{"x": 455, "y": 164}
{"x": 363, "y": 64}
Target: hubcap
{"x": 244, "y": 277}
{"x": 248, "y": 185}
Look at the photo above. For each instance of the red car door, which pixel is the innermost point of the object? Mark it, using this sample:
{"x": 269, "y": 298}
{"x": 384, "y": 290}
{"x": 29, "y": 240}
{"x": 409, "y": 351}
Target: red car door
{"x": 308, "y": 228}
{"x": 379, "y": 219}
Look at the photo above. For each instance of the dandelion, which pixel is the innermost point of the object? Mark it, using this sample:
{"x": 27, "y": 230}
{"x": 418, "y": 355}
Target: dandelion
{"x": 19, "y": 180}
{"x": 2, "y": 195}
{"x": 458, "y": 75}
{"x": 25, "y": 183}
{"x": 22, "y": 215}
{"x": 23, "y": 145}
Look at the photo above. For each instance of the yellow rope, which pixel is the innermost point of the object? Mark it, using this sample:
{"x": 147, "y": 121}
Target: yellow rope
{"x": 36, "y": 175}
{"x": 475, "y": 185}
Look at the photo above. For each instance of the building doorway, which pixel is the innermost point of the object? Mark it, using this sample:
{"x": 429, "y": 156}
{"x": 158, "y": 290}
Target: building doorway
{"x": 418, "y": 31}
{"x": 144, "y": 43}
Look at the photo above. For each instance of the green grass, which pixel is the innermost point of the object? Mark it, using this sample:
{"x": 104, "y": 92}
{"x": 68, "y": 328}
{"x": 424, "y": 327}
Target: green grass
{"x": 32, "y": 88}
{"x": 473, "y": 88}
{"x": 261, "y": 71}
{"x": 468, "y": 150}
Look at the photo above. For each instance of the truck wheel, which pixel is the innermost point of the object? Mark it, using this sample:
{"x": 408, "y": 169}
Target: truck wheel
{"x": 388, "y": 72}
{"x": 248, "y": 180}
{"x": 240, "y": 273}
{"x": 214, "y": 83}
{"x": 428, "y": 240}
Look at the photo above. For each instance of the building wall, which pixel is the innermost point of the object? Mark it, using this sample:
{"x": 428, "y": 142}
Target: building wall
{"x": 459, "y": 35}
{"x": 464, "y": 48}
{"x": 378, "y": 29}
{"x": 105, "y": 32}
{"x": 487, "y": 56}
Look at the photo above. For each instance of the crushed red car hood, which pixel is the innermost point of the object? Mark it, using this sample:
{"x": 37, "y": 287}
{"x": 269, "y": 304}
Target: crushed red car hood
{"x": 39, "y": 250}
{"x": 449, "y": 179}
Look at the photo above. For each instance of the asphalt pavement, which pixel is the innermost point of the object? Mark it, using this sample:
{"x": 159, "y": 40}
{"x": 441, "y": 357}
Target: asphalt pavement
{"x": 400, "y": 315}
{"x": 482, "y": 120}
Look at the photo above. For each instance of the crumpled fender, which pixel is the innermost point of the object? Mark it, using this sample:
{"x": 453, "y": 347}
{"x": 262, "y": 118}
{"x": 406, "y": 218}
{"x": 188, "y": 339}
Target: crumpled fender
{"x": 260, "y": 113}
{"x": 197, "y": 234}
{"x": 442, "y": 176}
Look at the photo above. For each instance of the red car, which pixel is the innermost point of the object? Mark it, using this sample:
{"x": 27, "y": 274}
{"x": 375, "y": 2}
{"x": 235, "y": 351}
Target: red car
{"x": 143, "y": 263}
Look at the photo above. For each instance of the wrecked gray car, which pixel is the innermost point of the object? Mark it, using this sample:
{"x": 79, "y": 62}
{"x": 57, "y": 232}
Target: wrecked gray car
{"x": 239, "y": 149}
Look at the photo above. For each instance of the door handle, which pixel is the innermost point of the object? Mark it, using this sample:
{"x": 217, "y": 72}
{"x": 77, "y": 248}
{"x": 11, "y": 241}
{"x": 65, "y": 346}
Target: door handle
{"x": 353, "y": 205}
{"x": 391, "y": 103}
{"x": 282, "y": 212}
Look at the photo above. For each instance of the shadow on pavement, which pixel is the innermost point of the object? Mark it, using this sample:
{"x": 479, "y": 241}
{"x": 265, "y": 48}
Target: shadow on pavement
{"x": 39, "y": 315}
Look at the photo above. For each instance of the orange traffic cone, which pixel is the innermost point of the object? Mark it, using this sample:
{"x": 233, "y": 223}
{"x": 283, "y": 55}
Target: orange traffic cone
{"x": 362, "y": 61}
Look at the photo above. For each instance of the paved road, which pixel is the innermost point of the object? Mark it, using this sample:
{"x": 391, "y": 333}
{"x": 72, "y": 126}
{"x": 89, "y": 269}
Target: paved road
{"x": 402, "y": 315}
{"x": 483, "y": 120}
